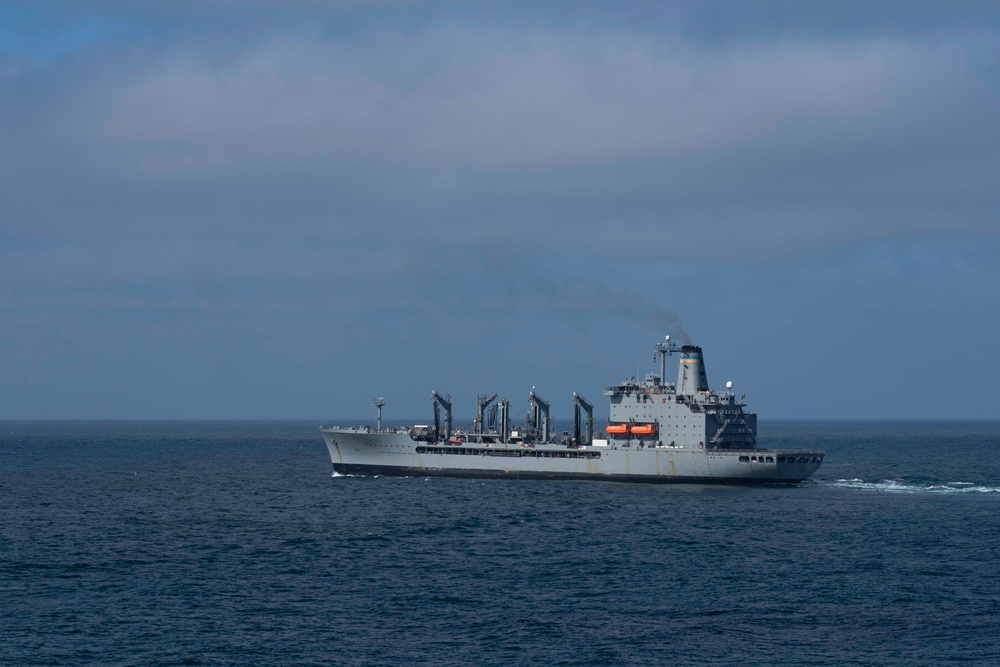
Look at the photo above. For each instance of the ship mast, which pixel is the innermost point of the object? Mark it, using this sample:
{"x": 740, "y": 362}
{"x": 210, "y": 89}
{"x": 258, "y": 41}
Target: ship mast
{"x": 663, "y": 350}
{"x": 379, "y": 403}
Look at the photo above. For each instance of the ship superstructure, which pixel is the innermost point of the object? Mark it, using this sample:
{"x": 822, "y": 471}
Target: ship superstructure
{"x": 656, "y": 432}
{"x": 685, "y": 415}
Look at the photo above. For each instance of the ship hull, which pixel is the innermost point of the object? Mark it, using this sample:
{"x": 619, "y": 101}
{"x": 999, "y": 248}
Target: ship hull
{"x": 360, "y": 452}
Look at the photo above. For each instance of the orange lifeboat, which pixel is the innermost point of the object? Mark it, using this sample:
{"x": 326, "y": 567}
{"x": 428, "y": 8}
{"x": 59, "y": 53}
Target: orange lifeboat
{"x": 617, "y": 429}
{"x": 644, "y": 429}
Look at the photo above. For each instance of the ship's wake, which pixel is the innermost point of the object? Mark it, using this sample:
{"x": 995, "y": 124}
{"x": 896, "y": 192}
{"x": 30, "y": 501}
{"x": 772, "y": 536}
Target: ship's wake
{"x": 901, "y": 486}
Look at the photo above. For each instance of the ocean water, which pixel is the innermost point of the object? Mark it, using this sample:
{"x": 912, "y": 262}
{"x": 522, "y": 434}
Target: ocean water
{"x": 231, "y": 543}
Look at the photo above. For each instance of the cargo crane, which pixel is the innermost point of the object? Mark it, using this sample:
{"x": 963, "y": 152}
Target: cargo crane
{"x": 504, "y": 420}
{"x": 491, "y": 418}
{"x": 441, "y": 402}
{"x": 483, "y": 400}
{"x": 580, "y": 402}
{"x": 539, "y": 416}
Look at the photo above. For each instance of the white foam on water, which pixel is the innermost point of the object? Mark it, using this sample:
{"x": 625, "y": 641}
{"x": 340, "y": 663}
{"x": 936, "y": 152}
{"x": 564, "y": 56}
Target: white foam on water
{"x": 899, "y": 486}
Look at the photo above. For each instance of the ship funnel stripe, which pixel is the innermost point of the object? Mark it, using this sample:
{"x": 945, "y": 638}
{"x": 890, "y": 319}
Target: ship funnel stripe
{"x": 691, "y": 377}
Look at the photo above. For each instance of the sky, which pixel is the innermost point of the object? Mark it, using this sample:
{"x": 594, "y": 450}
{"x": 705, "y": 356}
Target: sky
{"x": 216, "y": 209}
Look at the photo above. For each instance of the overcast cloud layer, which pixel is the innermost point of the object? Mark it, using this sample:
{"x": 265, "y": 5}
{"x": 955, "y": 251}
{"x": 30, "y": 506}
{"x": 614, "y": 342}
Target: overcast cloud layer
{"x": 281, "y": 210}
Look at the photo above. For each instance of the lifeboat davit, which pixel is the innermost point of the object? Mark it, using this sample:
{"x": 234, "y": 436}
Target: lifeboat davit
{"x": 644, "y": 429}
{"x": 617, "y": 429}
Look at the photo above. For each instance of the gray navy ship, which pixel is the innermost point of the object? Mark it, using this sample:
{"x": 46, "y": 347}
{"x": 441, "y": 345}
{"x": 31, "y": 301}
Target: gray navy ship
{"x": 657, "y": 432}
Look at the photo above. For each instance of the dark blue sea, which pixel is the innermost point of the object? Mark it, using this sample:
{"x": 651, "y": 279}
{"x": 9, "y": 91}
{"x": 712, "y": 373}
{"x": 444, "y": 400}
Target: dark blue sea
{"x": 231, "y": 543}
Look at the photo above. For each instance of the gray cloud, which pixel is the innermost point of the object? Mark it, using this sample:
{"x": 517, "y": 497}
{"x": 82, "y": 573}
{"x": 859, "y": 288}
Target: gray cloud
{"x": 498, "y": 100}
{"x": 625, "y": 140}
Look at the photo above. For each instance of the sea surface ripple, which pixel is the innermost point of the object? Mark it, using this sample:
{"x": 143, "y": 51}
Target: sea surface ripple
{"x": 224, "y": 543}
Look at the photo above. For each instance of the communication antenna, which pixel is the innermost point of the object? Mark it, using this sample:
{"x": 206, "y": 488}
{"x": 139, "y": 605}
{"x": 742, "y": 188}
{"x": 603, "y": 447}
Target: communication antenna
{"x": 378, "y": 403}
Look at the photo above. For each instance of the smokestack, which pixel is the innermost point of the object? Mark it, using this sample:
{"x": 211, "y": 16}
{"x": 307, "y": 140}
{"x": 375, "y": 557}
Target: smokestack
{"x": 691, "y": 376}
